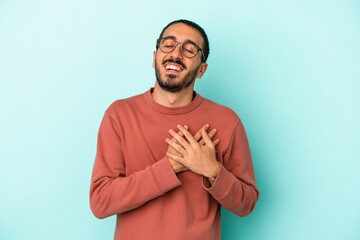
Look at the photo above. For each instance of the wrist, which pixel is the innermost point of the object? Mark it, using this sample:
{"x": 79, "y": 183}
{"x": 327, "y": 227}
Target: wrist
{"x": 215, "y": 172}
{"x": 213, "y": 177}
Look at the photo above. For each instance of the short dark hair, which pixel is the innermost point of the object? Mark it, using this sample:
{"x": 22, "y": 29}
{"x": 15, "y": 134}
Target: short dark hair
{"x": 206, "y": 48}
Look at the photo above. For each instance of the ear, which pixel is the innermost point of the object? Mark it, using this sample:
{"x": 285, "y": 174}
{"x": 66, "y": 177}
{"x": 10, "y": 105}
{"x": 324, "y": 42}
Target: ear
{"x": 201, "y": 70}
{"x": 154, "y": 55}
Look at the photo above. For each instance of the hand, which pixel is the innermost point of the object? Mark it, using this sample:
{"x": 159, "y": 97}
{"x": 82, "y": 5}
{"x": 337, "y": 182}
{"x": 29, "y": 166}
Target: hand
{"x": 177, "y": 166}
{"x": 198, "y": 158}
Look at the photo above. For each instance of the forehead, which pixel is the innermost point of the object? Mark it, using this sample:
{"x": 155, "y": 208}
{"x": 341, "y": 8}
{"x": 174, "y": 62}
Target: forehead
{"x": 183, "y": 32}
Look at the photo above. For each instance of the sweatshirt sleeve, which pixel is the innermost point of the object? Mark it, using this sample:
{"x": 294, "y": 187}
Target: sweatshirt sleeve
{"x": 111, "y": 192}
{"x": 234, "y": 188}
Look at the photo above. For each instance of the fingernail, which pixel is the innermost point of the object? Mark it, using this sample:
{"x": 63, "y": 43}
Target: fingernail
{"x": 178, "y": 125}
{"x": 207, "y": 126}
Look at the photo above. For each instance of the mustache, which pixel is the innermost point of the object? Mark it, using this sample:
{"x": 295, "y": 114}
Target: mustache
{"x": 175, "y": 61}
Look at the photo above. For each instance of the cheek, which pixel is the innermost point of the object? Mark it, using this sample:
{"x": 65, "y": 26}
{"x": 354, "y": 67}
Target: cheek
{"x": 156, "y": 61}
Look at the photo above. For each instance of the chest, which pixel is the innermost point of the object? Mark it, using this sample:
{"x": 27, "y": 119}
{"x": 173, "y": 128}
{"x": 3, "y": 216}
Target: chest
{"x": 143, "y": 136}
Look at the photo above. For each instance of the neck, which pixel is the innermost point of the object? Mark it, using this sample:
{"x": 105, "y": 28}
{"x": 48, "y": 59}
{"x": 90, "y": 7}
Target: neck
{"x": 172, "y": 99}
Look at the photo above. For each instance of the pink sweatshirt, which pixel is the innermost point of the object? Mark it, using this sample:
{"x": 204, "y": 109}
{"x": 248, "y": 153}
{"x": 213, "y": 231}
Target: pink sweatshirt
{"x": 133, "y": 178}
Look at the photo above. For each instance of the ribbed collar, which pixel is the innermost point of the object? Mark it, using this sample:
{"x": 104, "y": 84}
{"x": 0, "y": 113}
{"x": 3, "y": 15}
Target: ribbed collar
{"x": 172, "y": 110}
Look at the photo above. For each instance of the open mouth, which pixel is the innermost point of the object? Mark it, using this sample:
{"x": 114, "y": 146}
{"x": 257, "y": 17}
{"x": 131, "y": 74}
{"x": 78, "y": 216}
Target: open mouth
{"x": 173, "y": 67}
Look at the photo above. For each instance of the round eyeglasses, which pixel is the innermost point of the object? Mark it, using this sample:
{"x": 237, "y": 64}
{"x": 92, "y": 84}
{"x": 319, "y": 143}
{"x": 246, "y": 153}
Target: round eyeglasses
{"x": 188, "y": 49}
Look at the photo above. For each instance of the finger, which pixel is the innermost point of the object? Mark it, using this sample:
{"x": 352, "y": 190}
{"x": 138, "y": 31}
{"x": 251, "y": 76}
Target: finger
{"x": 216, "y": 142}
{"x": 211, "y": 135}
{"x": 206, "y": 138}
{"x": 176, "y": 146}
{"x": 197, "y": 135}
{"x": 175, "y": 158}
{"x": 173, "y": 151}
{"x": 180, "y": 133}
{"x": 181, "y": 140}
{"x": 187, "y": 135}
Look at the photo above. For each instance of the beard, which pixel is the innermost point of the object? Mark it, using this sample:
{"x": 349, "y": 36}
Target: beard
{"x": 170, "y": 84}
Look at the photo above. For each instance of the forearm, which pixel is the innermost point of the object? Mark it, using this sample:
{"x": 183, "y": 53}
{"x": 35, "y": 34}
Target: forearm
{"x": 114, "y": 195}
{"x": 234, "y": 194}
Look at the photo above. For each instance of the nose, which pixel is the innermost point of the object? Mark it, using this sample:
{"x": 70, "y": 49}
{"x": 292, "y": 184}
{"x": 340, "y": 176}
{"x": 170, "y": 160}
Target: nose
{"x": 177, "y": 53}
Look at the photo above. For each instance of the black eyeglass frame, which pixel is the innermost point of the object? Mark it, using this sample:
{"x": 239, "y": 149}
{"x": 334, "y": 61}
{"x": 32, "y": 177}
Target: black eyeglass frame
{"x": 181, "y": 47}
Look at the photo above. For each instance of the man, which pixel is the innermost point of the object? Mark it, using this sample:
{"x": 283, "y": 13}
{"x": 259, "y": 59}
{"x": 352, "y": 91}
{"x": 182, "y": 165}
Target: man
{"x": 157, "y": 165}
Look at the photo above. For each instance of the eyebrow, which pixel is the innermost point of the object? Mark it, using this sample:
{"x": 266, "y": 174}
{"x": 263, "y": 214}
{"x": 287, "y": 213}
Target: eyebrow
{"x": 186, "y": 41}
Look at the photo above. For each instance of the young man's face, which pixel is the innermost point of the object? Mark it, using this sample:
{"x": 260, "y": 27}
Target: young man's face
{"x": 174, "y": 71}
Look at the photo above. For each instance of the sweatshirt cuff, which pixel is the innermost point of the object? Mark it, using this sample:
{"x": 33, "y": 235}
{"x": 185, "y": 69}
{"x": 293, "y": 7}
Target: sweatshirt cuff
{"x": 222, "y": 184}
{"x": 164, "y": 176}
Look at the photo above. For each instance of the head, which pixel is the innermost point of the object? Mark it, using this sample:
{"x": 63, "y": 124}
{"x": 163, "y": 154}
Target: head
{"x": 175, "y": 70}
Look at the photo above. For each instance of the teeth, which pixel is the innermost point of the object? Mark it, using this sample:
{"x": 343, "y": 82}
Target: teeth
{"x": 172, "y": 67}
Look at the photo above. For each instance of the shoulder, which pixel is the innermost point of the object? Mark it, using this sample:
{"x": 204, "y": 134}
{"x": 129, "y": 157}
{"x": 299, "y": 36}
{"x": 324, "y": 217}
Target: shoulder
{"x": 220, "y": 111}
{"x": 125, "y": 104}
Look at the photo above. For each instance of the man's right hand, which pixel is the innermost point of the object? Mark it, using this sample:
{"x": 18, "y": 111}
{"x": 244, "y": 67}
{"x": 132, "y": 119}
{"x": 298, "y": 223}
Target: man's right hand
{"x": 178, "y": 167}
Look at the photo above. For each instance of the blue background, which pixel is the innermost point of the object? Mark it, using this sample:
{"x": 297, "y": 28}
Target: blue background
{"x": 290, "y": 69}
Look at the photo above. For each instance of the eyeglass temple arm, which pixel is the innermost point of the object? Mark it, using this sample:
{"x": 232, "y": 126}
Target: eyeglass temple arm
{"x": 202, "y": 54}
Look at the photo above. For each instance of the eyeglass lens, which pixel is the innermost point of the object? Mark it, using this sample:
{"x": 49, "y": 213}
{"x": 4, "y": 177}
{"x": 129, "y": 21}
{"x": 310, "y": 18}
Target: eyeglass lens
{"x": 188, "y": 49}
